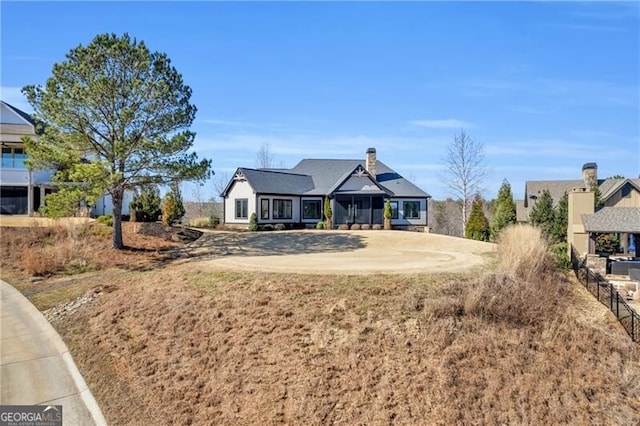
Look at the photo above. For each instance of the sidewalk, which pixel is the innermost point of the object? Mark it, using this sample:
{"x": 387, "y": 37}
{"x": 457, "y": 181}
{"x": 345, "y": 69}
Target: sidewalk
{"x": 36, "y": 366}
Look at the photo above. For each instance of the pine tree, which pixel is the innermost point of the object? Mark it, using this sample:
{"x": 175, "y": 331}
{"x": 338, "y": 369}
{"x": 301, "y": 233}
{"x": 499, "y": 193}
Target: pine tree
{"x": 560, "y": 220}
{"x": 172, "y": 206}
{"x": 504, "y": 212}
{"x": 478, "y": 226}
{"x": 542, "y": 214}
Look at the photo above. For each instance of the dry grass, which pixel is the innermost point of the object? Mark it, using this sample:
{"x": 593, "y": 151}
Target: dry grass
{"x": 524, "y": 252}
{"x": 68, "y": 248}
{"x": 194, "y": 347}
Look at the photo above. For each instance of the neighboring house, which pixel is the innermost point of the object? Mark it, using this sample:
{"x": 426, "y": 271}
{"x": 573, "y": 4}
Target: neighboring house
{"x": 618, "y": 212}
{"x": 357, "y": 190}
{"x": 613, "y": 192}
{"x": 22, "y": 191}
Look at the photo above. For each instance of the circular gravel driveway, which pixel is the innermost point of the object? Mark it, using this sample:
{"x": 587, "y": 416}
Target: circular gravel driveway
{"x": 337, "y": 252}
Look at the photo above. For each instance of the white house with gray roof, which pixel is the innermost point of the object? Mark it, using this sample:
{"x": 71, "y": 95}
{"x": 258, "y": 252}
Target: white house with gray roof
{"x": 357, "y": 190}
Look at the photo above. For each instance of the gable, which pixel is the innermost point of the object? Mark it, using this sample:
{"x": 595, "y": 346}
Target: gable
{"x": 359, "y": 181}
{"x": 624, "y": 193}
{"x": 271, "y": 182}
{"x": 12, "y": 115}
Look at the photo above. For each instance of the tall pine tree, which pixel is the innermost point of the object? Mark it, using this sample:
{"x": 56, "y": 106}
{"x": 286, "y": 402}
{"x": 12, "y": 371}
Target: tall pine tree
{"x": 542, "y": 214}
{"x": 504, "y": 212}
{"x": 560, "y": 220}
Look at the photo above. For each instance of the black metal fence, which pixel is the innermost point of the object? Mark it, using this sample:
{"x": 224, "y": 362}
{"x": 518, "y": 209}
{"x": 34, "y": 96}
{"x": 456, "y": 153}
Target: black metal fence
{"x": 608, "y": 295}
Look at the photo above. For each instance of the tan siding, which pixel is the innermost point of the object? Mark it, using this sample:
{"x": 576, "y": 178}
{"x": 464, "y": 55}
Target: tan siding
{"x": 616, "y": 200}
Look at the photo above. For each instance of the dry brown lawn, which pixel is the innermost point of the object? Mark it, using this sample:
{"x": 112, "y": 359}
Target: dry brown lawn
{"x": 185, "y": 343}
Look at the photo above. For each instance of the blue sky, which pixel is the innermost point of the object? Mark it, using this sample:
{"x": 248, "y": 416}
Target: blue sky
{"x": 546, "y": 87}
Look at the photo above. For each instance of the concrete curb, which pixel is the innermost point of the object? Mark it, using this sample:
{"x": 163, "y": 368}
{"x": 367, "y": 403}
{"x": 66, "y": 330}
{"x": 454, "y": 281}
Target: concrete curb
{"x": 12, "y": 298}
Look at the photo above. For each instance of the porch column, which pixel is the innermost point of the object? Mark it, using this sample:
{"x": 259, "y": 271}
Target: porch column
{"x": 624, "y": 242}
{"x": 636, "y": 243}
{"x": 42, "y": 194}
{"x": 592, "y": 243}
{"x": 30, "y": 200}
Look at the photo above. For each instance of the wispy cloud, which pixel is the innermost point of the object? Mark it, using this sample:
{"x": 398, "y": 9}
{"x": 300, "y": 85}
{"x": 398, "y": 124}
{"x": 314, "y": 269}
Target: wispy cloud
{"x": 230, "y": 123}
{"x": 554, "y": 148}
{"x": 532, "y": 110}
{"x": 559, "y": 91}
{"x": 449, "y": 123}
{"x": 591, "y": 27}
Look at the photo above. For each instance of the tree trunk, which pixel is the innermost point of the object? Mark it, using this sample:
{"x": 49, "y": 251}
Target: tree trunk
{"x": 464, "y": 216}
{"x": 117, "y": 219}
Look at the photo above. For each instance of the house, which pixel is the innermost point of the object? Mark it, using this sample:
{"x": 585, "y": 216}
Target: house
{"x": 357, "y": 190}
{"x": 23, "y": 191}
{"x": 618, "y": 210}
{"x": 610, "y": 190}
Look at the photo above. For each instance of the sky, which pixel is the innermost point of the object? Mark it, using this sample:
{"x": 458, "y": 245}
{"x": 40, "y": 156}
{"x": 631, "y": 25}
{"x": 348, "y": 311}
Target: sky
{"x": 544, "y": 86}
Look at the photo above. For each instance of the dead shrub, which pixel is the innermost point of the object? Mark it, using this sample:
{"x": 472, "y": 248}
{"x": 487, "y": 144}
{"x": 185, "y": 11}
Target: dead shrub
{"x": 503, "y": 297}
{"x": 523, "y": 252}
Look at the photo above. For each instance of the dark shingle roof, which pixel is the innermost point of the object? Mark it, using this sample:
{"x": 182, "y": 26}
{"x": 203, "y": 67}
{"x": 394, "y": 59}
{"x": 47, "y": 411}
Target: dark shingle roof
{"x": 272, "y": 182}
{"x": 325, "y": 173}
{"x": 328, "y": 174}
{"x": 321, "y": 177}
{"x": 613, "y": 220}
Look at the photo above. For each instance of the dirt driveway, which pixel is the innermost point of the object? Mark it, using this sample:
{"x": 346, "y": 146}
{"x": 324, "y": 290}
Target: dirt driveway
{"x": 351, "y": 252}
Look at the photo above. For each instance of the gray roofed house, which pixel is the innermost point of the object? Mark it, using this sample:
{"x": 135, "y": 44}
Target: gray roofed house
{"x": 616, "y": 211}
{"x": 557, "y": 188}
{"x": 357, "y": 190}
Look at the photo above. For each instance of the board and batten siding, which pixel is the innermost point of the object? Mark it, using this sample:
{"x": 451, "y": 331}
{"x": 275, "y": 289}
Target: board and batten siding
{"x": 239, "y": 190}
{"x": 401, "y": 221}
{"x": 617, "y": 200}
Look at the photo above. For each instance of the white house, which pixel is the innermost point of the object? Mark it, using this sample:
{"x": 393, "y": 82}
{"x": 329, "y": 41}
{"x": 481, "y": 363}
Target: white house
{"x": 357, "y": 190}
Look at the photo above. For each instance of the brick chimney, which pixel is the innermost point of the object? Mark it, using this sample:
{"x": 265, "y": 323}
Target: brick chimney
{"x": 590, "y": 175}
{"x": 370, "y": 164}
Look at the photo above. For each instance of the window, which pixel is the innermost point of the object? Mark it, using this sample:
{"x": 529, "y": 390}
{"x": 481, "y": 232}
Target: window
{"x": 311, "y": 209}
{"x": 394, "y": 209}
{"x": 13, "y": 158}
{"x": 264, "y": 208}
{"x": 411, "y": 209}
{"x": 282, "y": 209}
{"x": 242, "y": 208}
{"x": 626, "y": 191}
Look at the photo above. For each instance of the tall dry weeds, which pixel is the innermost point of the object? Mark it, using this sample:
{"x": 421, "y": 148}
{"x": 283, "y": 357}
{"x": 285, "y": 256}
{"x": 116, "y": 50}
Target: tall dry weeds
{"x": 523, "y": 252}
{"x": 526, "y": 288}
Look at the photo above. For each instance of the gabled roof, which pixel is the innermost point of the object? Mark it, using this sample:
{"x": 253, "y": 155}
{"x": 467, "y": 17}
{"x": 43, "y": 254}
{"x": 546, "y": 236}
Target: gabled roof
{"x": 328, "y": 174}
{"x": 21, "y": 114}
{"x": 616, "y": 185}
{"x": 320, "y": 177}
{"x": 273, "y": 182}
{"x": 613, "y": 220}
{"x": 557, "y": 188}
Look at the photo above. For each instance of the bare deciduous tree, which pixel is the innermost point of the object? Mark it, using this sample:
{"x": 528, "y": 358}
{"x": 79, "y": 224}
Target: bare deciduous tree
{"x": 465, "y": 169}
{"x": 264, "y": 158}
{"x": 220, "y": 182}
